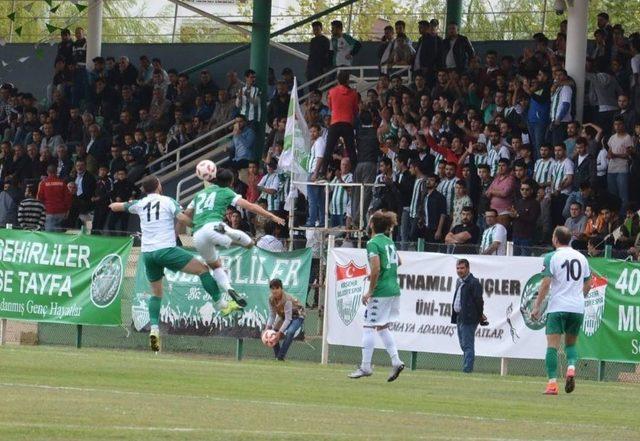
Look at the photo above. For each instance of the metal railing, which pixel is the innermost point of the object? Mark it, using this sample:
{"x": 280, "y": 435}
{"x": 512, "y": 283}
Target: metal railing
{"x": 173, "y": 163}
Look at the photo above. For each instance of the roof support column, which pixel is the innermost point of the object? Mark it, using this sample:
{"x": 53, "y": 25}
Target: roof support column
{"x": 578, "y": 22}
{"x": 454, "y": 12}
{"x": 94, "y": 31}
{"x": 260, "y": 35}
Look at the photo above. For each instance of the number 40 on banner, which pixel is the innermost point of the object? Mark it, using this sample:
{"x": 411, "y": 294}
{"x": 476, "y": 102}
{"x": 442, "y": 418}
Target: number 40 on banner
{"x": 629, "y": 282}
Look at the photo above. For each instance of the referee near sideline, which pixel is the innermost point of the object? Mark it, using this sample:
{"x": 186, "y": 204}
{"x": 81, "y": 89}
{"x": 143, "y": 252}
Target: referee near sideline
{"x": 467, "y": 312}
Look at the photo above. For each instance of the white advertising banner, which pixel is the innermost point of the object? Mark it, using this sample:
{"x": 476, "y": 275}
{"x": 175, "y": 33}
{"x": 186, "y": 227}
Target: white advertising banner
{"x": 427, "y": 282}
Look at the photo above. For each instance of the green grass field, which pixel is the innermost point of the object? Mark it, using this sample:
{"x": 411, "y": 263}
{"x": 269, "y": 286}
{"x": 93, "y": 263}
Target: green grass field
{"x": 53, "y": 393}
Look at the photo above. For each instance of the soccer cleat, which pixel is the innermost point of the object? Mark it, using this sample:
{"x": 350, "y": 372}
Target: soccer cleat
{"x": 552, "y": 389}
{"x": 359, "y": 373}
{"x": 230, "y": 309}
{"x": 237, "y": 298}
{"x": 395, "y": 372}
{"x": 219, "y": 228}
{"x": 570, "y": 380}
{"x": 154, "y": 340}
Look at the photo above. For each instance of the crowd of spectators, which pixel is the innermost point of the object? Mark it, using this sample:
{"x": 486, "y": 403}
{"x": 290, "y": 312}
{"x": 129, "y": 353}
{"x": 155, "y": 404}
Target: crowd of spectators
{"x": 470, "y": 152}
{"x": 473, "y": 152}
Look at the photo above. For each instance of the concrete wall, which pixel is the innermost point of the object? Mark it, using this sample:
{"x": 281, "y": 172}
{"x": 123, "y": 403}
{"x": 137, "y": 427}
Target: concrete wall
{"x": 34, "y": 74}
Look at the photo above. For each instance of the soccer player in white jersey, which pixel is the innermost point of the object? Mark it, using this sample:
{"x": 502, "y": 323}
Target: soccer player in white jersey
{"x": 207, "y": 209}
{"x": 158, "y": 215}
{"x": 567, "y": 281}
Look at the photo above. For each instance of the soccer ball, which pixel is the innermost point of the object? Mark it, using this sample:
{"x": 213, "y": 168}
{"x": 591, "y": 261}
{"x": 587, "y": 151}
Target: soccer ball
{"x": 269, "y": 338}
{"x": 206, "y": 170}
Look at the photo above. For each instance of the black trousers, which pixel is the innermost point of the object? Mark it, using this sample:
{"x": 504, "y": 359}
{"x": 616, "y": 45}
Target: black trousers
{"x": 557, "y": 205}
{"x": 337, "y": 131}
{"x": 100, "y": 215}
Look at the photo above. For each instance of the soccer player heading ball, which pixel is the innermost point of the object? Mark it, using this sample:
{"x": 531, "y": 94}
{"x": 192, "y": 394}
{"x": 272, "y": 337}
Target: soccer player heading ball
{"x": 207, "y": 209}
{"x": 158, "y": 215}
{"x": 382, "y": 301}
{"x": 568, "y": 280}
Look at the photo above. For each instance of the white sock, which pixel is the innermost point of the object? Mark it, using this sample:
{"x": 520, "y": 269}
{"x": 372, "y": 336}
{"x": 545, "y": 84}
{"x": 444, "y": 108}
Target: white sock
{"x": 368, "y": 345}
{"x": 155, "y": 328}
{"x": 222, "y": 279}
{"x": 390, "y": 344}
{"x": 220, "y": 304}
{"x": 553, "y": 380}
{"x": 571, "y": 367}
{"x": 239, "y": 237}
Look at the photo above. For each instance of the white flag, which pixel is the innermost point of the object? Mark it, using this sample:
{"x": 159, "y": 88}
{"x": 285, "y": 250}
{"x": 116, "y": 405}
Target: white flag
{"x": 297, "y": 146}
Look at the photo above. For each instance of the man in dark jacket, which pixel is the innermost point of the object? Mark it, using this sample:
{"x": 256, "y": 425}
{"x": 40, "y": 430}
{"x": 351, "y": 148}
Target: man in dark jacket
{"x": 525, "y": 214}
{"x": 456, "y": 50}
{"x": 427, "y": 52}
{"x": 365, "y": 172}
{"x": 85, "y": 187}
{"x": 101, "y": 200}
{"x": 433, "y": 218}
{"x": 467, "y": 311}
{"x": 319, "y": 60}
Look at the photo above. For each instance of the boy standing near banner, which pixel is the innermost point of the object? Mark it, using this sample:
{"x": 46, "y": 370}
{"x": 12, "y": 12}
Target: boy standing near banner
{"x": 158, "y": 215}
{"x": 568, "y": 279}
{"x": 382, "y": 301}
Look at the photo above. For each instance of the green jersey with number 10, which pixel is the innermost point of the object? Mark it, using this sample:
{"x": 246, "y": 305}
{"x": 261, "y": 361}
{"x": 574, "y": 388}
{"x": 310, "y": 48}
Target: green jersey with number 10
{"x": 383, "y": 247}
{"x": 210, "y": 205}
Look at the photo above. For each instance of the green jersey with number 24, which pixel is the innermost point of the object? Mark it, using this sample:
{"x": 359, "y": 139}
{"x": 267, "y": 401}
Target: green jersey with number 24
{"x": 383, "y": 247}
{"x": 210, "y": 205}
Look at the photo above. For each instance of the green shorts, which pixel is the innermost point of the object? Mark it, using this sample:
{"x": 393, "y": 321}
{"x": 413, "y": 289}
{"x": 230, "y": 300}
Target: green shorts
{"x": 568, "y": 323}
{"x": 156, "y": 261}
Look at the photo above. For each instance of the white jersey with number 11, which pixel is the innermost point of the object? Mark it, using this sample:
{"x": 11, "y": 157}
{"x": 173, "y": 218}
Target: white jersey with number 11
{"x": 157, "y": 221}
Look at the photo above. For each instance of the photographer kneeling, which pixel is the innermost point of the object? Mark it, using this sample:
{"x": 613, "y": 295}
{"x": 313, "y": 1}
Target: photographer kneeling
{"x": 286, "y": 316}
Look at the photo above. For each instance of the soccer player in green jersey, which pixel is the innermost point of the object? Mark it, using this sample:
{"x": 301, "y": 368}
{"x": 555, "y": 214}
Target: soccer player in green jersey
{"x": 382, "y": 301}
{"x": 158, "y": 214}
{"x": 207, "y": 209}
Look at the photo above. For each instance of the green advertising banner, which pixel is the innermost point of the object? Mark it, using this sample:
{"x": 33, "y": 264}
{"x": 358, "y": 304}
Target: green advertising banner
{"x": 611, "y": 328}
{"x": 187, "y": 308}
{"x": 62, "y": 278}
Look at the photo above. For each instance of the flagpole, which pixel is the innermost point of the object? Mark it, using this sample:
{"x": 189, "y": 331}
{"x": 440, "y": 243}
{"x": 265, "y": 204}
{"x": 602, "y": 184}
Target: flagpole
{"x": 292, "y": 205}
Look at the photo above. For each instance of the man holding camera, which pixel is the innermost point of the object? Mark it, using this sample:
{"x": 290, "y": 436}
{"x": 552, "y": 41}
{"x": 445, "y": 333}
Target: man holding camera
{"x": 467, "y": 311}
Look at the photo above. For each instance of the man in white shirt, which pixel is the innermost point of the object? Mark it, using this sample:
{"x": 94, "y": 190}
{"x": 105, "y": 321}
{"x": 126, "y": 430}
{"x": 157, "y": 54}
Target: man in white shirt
{"x": 315, "y": 193}
{"x": 561, "y": 97}
{"x": 620, "y": 149}
{"x": 561, "y": 183}
{"x": 494, "y": 237}
{"x": 568, "y": 281}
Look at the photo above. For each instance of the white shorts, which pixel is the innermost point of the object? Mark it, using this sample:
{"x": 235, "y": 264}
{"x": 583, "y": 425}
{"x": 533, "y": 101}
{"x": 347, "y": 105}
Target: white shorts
{"x": 206, "y": 239}
{"x": 381, "y": 311}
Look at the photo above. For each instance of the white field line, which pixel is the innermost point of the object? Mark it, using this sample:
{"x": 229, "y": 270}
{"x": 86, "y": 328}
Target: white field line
{"x": 311, "y": 405}
{"x": 176, "y": 358}
{"x": 16, "y": 424}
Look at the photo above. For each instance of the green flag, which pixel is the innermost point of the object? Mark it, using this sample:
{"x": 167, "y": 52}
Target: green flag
{"x": 51, "y": 28}
{"x": 12, "y": 16}
{"x": 54, "y": 9}
{"x": 18, "y": 31}
{"x": 81, "y": 7}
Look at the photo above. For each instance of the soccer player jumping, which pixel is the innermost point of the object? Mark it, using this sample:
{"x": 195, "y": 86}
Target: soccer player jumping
{"x": 568, "y": 280}
{"x": 158, "y": 215}
{"x": 207, "y": 209}
{"x": 383, "y": 299}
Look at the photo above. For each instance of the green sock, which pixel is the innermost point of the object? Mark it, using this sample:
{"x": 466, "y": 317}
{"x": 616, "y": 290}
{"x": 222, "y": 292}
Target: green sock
{"x": 154, "y": 309}
{"x": 210, "y": 286}
{"x": 551, "y": 362}
{"x": 572, "y": 355}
